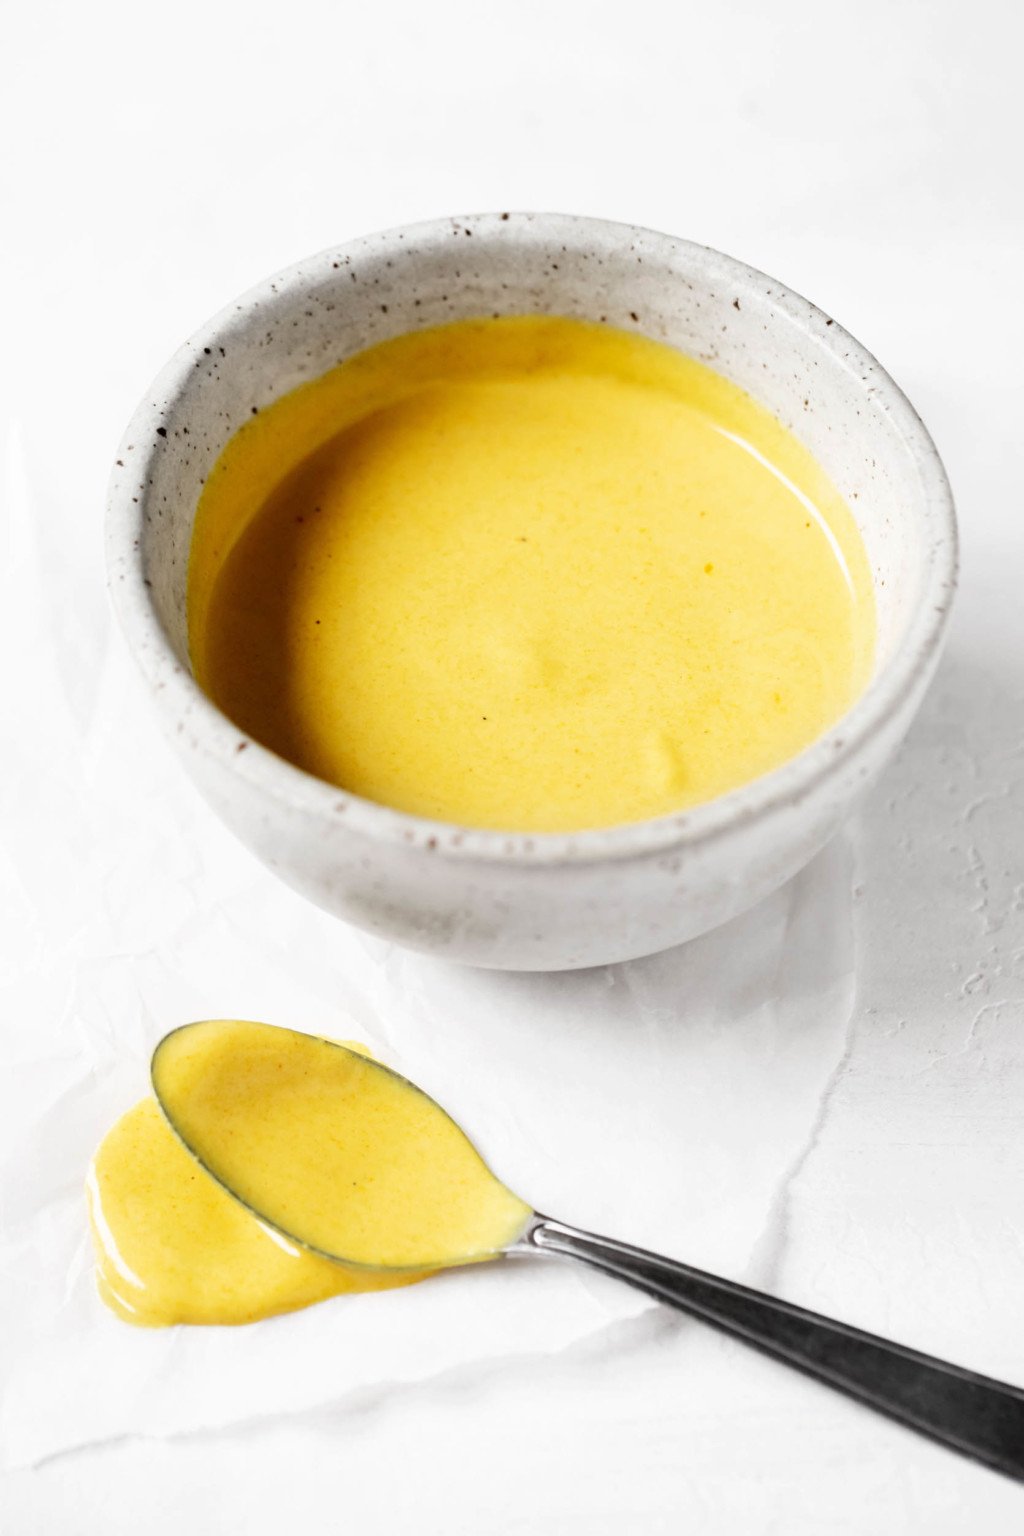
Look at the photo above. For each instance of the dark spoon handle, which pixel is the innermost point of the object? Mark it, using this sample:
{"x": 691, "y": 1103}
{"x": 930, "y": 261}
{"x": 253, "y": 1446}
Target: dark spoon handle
{"x": 972, "y": 1414}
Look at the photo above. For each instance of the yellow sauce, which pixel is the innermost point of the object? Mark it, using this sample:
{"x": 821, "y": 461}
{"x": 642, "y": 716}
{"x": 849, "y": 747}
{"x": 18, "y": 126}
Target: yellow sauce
{"x": 173, "y": 1247}
{"x": 332, "y": 1149}
{"x": 530, "y": 574}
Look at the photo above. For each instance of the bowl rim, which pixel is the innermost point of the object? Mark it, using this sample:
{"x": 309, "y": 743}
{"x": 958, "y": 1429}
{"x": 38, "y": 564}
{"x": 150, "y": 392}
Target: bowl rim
{"x": 206, "y": 729}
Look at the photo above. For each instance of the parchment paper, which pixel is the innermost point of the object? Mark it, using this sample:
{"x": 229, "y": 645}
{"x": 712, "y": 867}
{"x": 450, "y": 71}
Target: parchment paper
{"x": 664, "y": 1101}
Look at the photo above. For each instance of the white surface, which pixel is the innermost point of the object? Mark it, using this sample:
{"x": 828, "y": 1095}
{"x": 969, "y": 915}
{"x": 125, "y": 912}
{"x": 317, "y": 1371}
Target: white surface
{"x": 866, "y": 154}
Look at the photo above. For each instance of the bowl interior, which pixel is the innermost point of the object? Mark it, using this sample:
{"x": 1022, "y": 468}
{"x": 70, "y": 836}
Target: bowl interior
{"x": 790, "y": 357}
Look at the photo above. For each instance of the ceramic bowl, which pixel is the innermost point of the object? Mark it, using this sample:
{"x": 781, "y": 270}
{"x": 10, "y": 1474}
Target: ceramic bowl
{"x": 509, "y": 900}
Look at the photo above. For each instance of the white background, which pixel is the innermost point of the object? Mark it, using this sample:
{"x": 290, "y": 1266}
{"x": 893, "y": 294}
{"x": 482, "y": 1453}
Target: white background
{"x": 156, "y": 161}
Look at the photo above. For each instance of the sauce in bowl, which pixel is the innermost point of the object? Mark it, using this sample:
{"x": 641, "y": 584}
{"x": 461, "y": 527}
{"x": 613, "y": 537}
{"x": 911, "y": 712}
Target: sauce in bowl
{"x": 527, "y": 573}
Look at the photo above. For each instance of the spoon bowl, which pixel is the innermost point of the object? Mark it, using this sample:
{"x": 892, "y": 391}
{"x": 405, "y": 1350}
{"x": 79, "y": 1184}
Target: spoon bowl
{"x": 286, "y": 1121}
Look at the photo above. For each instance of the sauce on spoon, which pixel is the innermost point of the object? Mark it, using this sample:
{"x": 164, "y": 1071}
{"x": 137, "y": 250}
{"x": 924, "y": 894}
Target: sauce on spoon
{"x": 336, "y": 1152}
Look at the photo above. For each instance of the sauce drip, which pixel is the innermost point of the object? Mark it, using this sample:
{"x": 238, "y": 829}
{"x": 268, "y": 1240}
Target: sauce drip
{"x": 173, "y": 1247}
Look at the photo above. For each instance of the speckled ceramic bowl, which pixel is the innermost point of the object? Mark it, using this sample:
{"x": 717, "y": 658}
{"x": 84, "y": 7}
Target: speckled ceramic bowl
{"x": 507, "y": 900}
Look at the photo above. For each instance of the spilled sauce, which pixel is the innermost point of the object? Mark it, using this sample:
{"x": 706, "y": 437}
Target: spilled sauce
{"x": 527, "y": 573}
{"x": 334, "y": 1151}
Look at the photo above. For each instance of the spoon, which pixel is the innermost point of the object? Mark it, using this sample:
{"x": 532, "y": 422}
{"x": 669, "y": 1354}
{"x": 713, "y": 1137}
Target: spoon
{"x": 240, "y": 1099}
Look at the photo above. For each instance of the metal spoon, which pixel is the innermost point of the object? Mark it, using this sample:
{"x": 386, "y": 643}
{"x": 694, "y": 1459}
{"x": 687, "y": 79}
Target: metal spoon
{"x": 972, "y": 1414}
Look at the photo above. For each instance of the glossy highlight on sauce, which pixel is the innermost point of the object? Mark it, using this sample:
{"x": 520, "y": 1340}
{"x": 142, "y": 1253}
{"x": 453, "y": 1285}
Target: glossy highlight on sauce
{"x": 321, "y": 1149}
{"x": 527, "y": 573}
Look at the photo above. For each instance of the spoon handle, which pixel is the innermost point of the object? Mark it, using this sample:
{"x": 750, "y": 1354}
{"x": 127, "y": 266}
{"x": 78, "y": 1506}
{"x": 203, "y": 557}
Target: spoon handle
{"x": 973, "y": 1414}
